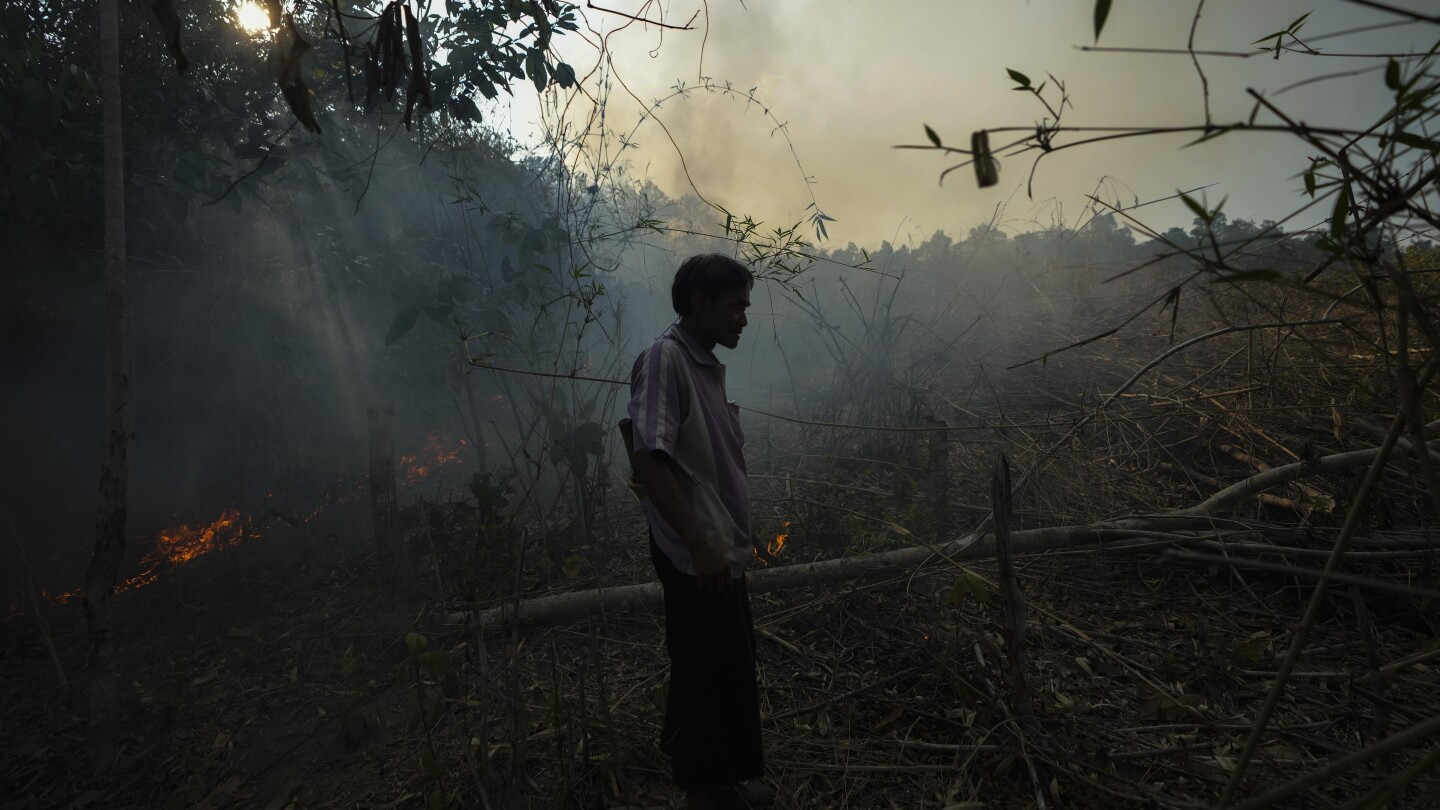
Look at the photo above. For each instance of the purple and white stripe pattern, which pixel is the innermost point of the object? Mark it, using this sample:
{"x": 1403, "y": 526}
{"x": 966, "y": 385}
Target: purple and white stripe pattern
{"x": 678, "y": 406}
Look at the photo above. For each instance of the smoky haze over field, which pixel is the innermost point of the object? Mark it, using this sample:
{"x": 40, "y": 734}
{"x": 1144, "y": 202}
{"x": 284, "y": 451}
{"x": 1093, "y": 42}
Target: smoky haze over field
{"x": 264, "y": 326}
{"x": 1048, "y": 494}
{"x": 852, "y": 79}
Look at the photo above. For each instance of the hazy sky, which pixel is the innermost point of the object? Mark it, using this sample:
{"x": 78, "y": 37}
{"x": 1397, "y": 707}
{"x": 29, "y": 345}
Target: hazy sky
{"x": 853, "y": 78}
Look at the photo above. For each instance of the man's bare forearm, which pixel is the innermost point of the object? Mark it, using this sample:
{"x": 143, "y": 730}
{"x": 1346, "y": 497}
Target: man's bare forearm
{"x": 660, "y": 476}
{"x": 657, "y": 472}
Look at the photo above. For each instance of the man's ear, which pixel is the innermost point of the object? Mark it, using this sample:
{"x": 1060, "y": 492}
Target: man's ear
{"x": 698, "y": 297}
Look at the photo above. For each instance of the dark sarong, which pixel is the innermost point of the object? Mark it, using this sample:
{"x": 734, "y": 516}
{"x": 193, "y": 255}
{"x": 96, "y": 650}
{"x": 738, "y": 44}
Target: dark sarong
{"x": 712, "y": 712}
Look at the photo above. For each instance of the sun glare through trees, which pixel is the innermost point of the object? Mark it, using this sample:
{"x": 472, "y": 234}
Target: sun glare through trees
{"x": 252, "y": 17}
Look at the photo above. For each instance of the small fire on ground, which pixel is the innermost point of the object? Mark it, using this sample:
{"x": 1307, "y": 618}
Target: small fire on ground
{"x": 433, "y": 457}
{"x": 180, "y": 544}
{"x": 773, "y": 547}
{"x": 184, "y": 542}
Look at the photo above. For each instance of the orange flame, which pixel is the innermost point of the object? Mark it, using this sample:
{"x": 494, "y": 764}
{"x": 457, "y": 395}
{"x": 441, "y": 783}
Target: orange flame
{"x": 434, "y": 455}
{"x": 178, "y": 545}
{"x": 779, "y": 541}
{"x": 182, "y": 543}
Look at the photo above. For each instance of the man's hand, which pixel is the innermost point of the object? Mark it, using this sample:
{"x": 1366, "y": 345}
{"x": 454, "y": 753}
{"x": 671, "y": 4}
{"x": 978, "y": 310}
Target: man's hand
{"x": 660, "y": 477}
{"x": 712, "y": 571}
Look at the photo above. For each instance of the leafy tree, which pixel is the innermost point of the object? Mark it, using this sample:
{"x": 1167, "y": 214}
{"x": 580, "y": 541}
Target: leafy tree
{"x": 219, "y": 127}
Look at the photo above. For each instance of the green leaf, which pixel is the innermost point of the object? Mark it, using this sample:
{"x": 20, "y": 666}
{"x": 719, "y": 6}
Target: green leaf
{"x": 1341, "y": 210}
{"x": 1310, "y": 182}
{"x": 987, "y": 169}
{"x": 1019, "y": 78}
{"x": 404, "y": 321}
{"x": 416, "y": 642}
{"x": 1196, "y": 207}
{"x": 564, "y": 75}
{"x": 590, "y": 434}
{"x": 1392, "y": 74}
{"x": 967, "y": 584}
{"x": 1102, "y": 12}
{"x": 930, "y": 133}
{"x": 1415, "y": 141}
{"x": 535, "y": 67}
{"x": 440, "y": 664}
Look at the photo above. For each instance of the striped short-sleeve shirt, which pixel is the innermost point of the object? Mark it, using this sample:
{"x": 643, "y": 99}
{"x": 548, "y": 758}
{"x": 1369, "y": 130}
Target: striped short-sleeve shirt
{"x": 678, "y": 406}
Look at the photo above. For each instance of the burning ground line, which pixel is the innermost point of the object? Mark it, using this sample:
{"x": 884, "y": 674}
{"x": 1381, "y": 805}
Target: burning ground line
{"x": 182, "y": 543}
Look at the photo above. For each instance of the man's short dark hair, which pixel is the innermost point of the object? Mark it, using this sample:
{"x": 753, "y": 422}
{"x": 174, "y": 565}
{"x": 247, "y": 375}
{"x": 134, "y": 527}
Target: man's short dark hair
{"x": 708, "y": 272}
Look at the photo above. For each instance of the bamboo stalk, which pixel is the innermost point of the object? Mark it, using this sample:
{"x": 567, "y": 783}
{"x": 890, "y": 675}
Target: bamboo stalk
{"x": 1012, "y": 600}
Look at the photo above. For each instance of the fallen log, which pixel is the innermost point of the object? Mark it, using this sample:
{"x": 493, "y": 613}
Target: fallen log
{"x": 867, "y": 568}
{"x": 562, "y": 607}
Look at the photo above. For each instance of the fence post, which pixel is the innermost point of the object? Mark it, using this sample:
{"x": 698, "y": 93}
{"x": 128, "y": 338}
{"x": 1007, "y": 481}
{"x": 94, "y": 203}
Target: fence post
{"x": 1012, "y": 601}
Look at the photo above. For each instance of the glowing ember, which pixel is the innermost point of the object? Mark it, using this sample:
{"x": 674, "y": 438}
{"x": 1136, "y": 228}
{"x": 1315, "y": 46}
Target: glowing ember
{"x": 434, "y": 456}
{"x": 779, "y": 541}
{"x": 183, "y": 543}
{"x": 178, "y": 545}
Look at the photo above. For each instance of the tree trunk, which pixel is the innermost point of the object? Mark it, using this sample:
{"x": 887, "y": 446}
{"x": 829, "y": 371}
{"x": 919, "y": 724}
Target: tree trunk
{"x": 110, "y": 521}
{"x": 384, "y": 500}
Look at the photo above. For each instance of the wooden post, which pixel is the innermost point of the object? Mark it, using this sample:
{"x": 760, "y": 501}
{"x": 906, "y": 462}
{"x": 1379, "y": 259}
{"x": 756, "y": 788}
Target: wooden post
{"x": 937, "y": 478}
{"x": 384, "y": 502}
{"x": 1012, "y": 601}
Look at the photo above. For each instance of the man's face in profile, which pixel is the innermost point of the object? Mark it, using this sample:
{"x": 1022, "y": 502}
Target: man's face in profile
{"x": 721, "y": 316}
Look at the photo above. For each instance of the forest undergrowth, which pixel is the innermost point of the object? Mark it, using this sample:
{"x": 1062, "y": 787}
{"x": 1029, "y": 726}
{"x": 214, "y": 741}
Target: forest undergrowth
{"x": 287, "y": 673}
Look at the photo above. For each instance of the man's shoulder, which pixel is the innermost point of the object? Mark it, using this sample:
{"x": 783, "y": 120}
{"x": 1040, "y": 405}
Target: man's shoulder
{"x": 664, "y": 347}
{"x": 665, "y": 350}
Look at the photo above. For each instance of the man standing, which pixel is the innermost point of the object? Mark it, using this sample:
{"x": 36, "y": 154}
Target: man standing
{"x": 687, "y": 455}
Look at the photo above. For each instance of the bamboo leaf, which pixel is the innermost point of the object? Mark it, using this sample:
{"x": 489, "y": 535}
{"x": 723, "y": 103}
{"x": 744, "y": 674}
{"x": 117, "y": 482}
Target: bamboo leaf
{"x": 1415, "y": 141}
{"x": 1102, "y": 13}
{"x": 930, "y": 133}
{"x": 1342, "y": 209}
{"x": 987, "y": 170}
{"x": 1019, "y": 78}
{"x": 1196, "y": 207}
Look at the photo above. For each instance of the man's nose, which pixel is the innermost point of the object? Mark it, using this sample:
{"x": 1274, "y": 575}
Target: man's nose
{"x": 743, "y": 321}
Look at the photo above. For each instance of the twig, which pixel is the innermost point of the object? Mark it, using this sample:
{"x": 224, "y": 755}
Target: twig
{"x": 1324, "y": 575}
{"x": 1372, "y": 659}
{"x": 1312, "y": 611}
{"x": 30, "y": 592}
{"x": 1395, "y": 742}
{"x": 1390, "y": 786}
{"x": 1190, "y": 46}
{"x": 686, "y": 27}
{"x": 841, "y": 698}
{"x": 1402, "y": 12}
{"x": 237, "y": 181}
{"x": 945, "y": 748}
